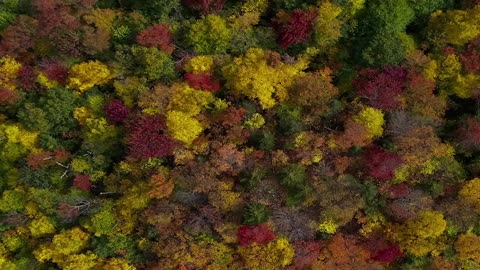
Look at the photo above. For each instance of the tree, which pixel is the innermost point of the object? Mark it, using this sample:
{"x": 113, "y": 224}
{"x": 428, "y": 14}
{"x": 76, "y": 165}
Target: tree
{"x": 210, "y": 35}
{"x": 152, "y": 63}
{"x": 470, "y": 193}
{"x": 158, "y": 36}
{"x": 471, "y": 56}
{"x": 86, "y": 75}
{"x": 345, "y": 252}
{"x": 381, "y": 89}
{"x": 146, "y": 138}
{"x": 251, "y": 75}
{"x": 372, "y": 120}
{"x": 313, "y": 91}
{"x": 420, "y": 236}
{"x": 116, "y": 112}
{"x": 274, "y": 255}
{"x": 327, "y": 25}
{"x": 259, "y": 234}
{"x": 202, "y": 81}
{"x": 64, "y": 244}
{"x": 468, "y": 247}
{"x": 294, "y": 27}
{"x": 456, "y": 27}
{"x": 381, "y": 164}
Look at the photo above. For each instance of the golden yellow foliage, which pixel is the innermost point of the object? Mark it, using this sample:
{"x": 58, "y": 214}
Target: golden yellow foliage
{"x": 372, "y": 120}
{"x": 251, "y": 75}
{"x": 9, "y": 68}
{"x": 84, "y": 76}
{"x": 470, "y": 193}
{"x": 420, "y": 236}
{"x": 272, "y": 256}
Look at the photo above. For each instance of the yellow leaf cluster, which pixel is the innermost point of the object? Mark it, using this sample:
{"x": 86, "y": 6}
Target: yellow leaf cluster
{"x": 66, "y": 243}
{"x": 327, "y": 26}
{"x": 9, "y": 68}
{"x": 470, "y": 193}
{"x": 188, "y": 100}
{"x": 468, "y": 247}
{"x": 41, "y": 226}
{"x": 454, "y": 26}
{"x": 372, "y": 120}
{"x": 84, "y": 76}
{"x": 252, "y": 76}
{"x": 272, "y": 256}
{"x": 201, "y": 63}
{"x": 255, "y": 121}
{"x": 420, "y": 236}
{"x": 184, "y": 105}
{"x": 183, "y": 127}
{"x": 43, "y": 80}
{"x": 16, "y": 134}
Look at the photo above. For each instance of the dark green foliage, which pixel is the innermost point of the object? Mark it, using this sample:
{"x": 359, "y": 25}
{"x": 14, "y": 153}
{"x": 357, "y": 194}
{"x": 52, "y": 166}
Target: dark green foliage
{"x": 255, "y": 214}
{"x": 289, "y": 119}
{"x": 251, "y": 179}
{"x": 154, "y": 9}
{"x": 263, "y": 139}
{"x": 293, "y": 176}
{"x": 34, "y": 118}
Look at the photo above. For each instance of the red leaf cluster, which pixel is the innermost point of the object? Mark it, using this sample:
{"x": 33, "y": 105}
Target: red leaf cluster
{"x": 388, "y": 255}
{"x": 26, "y": 77}
{"x": 146, "y": 138}
{"x": 468, "y": 135}
{"x": 19, "y": 37}
{"x": 471, "y": 57}
{"x": 382, "y": 89}
{"x": 233, "y": 116}
{"x": 381, "y": 164}
{"x": 116, "y": 112}
{"x": 55, "y": 70}
{"x": 205, "y": 6}
{"x": 294, "y": 27}
{"x": 82, "y": 182}
{"x": 306, "y": 253}
{"x": 158, "y": 36}
{"x": 259, "y": 234}
{"x": 202, "y": 81}
{"x": 7, "y": 96}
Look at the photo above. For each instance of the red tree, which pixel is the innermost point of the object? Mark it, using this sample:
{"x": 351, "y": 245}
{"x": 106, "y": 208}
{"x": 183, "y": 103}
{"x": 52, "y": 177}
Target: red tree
{"x": 381, "y": 164}
{"x": 260, "y": 234}
{"x": 82, "y": 182}
{"x": 306, "y": 253}
{"x": 382, "y": 89}
{"x": 468, "y": 135}
{"x": 471, "y": 57}
{"x": 158, "y": 36}
{"x": 146, "y": 138}
{"x": 116, "y": 111}
{"x": 202, "y": 81}
{"x": 388, "y": 255}
{"x": 55, "y": 70}
{"x": 294, "y": 27}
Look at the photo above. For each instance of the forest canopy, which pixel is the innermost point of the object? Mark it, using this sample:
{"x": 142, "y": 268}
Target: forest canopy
{"x": 240, "y": 134}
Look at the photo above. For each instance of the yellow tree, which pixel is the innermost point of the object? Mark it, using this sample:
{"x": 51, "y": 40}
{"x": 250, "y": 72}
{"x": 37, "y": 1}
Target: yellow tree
{"x": 262, "y": 75}
{"x": 468, "y": 247}
{"x": 84, "y": 76}
{"x": 419, "y": 236}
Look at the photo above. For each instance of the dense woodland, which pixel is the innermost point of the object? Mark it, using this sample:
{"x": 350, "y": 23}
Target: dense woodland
{"x": 239, "y": 134}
